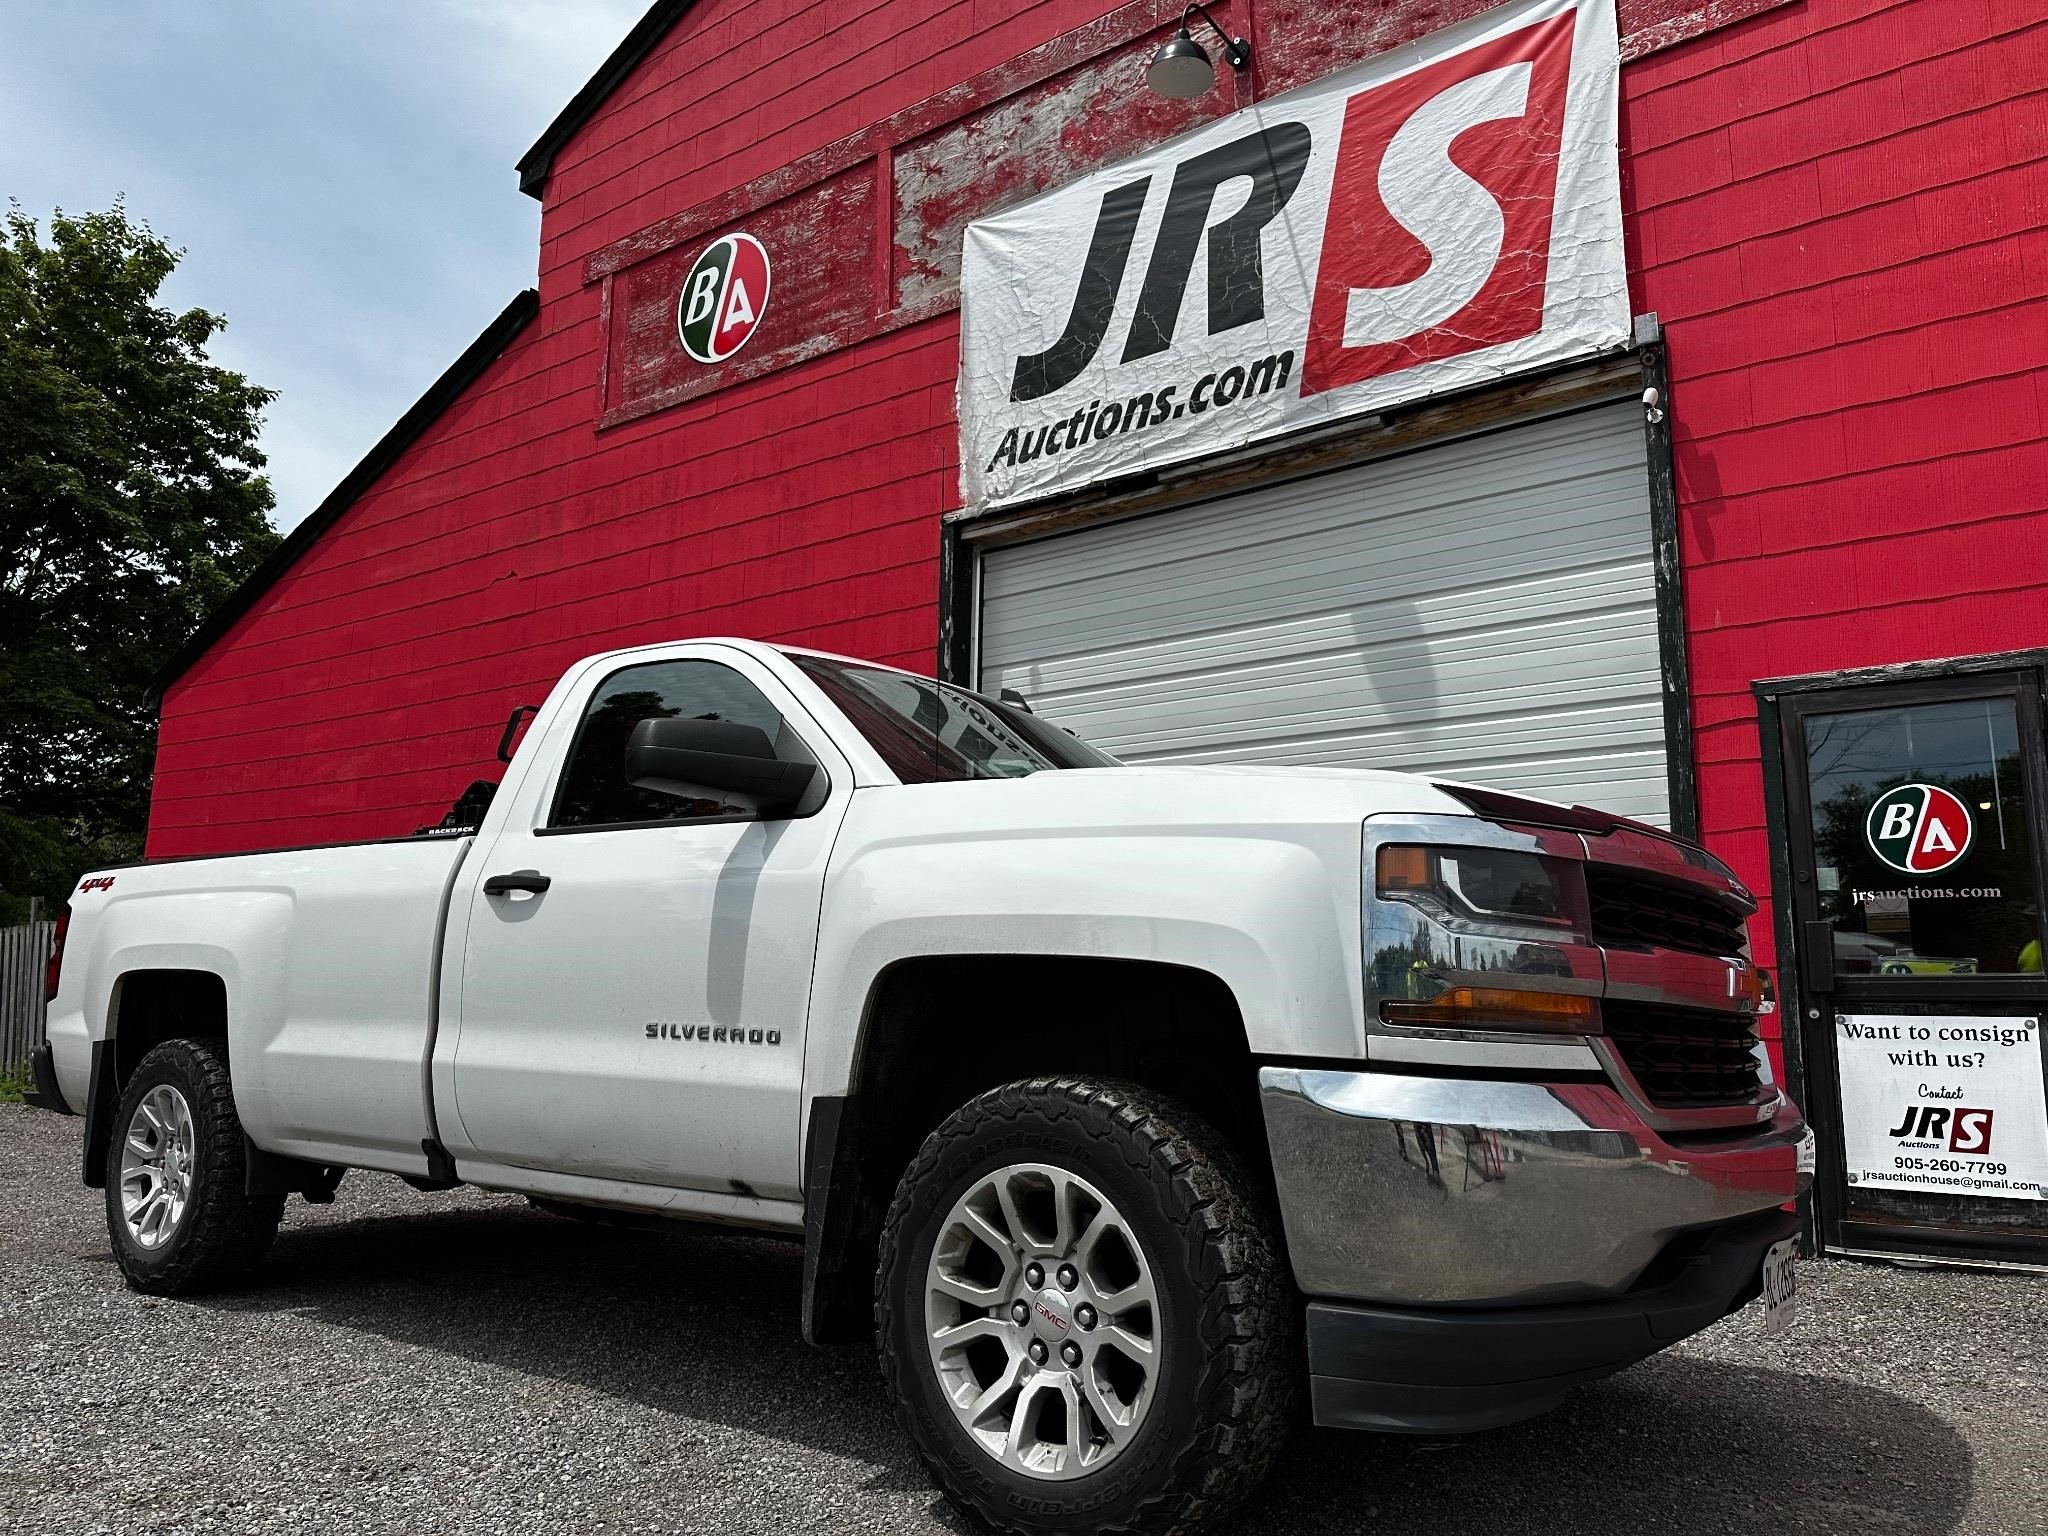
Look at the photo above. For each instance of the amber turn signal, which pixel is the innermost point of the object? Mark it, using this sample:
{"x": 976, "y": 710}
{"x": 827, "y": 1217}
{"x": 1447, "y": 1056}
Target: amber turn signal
{"x": 1404, "y": 867}
{"x": 1559, "y": 1013}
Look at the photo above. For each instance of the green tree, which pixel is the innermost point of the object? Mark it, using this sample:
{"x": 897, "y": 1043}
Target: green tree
{"x": 131, "y": 503}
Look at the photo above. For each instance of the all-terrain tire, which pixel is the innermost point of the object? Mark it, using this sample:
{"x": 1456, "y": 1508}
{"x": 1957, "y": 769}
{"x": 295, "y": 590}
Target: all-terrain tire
{"x": 223, "y": 1229}
{"x": 1227, "y": 1323}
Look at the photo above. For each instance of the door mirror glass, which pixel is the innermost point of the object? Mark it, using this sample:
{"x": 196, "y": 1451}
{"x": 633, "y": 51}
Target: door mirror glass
{"x": 1922, "y": 841}
{"x": 715, "y": 760}
{"x": 603, "y": 785}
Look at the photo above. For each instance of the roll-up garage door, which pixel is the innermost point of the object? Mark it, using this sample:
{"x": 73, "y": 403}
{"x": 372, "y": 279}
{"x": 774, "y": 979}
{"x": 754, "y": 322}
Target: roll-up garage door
{"x": 1483, "y": 609}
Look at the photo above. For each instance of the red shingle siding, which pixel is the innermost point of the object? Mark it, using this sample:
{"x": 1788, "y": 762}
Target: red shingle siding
{"x": 365, "y": 688}
{"x": 1838, "y": 210}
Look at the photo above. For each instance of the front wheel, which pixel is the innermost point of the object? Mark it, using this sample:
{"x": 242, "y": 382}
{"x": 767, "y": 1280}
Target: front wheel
{"x": 179, "y": 1208}
{"x": 1082, "y": 1313}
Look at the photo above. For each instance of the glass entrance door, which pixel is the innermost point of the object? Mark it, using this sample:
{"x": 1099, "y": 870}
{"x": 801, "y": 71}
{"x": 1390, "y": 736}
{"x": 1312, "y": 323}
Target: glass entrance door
{"x": 1912, "y": 824}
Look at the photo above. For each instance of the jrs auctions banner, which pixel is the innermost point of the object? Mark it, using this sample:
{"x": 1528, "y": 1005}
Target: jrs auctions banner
{"x": 1442, "y": 216}
{"x": 1944, "y": 1103}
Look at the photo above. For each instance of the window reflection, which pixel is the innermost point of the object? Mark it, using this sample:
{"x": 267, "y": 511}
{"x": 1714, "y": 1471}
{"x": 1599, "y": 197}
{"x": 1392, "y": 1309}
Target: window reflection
{"x": 594, "y": 791}
{"x": 930, "y": 733}
{"x": 1915, "y": 882}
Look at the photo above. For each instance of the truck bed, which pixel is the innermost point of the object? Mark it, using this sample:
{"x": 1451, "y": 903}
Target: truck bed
{"x": 332, "y": 956}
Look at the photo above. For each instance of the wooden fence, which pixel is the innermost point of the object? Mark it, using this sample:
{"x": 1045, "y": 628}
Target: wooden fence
{"x": 24, "y": 949}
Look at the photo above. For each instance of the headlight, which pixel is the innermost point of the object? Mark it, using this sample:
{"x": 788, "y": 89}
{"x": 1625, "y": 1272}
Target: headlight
{"x": 1509, "y": 917}
{"x": 1488, "y": 890}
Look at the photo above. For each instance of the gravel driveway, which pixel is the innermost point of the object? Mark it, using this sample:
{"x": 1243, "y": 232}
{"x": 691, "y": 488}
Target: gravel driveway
{"x": 461, "y": 1363}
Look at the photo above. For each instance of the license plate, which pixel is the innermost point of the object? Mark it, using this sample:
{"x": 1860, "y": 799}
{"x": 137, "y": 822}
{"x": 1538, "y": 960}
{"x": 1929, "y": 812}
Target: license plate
{"x": 1781, "y": 1285}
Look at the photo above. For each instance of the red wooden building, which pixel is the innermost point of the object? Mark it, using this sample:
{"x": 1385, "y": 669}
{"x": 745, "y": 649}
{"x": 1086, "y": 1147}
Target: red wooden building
{"x": 1835, "y": 210}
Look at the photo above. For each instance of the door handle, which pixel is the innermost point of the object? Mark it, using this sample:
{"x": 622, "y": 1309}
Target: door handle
{"x": 519, "y": 880}
{"x": 1818, "y": 953}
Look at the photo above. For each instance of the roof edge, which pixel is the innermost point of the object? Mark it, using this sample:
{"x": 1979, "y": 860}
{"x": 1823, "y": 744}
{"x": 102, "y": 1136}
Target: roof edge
{"x": 539, "y": 161}
{"x": 441, "y": 394}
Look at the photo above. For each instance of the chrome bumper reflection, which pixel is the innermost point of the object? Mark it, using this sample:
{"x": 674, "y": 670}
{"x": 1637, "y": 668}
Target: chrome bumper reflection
{"x": 1437, "y": 1191}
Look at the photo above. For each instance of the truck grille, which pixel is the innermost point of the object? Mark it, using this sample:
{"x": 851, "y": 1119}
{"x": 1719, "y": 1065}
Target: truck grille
{"x": 1631, "y": 912}
{"x": 1686, "y": 1058}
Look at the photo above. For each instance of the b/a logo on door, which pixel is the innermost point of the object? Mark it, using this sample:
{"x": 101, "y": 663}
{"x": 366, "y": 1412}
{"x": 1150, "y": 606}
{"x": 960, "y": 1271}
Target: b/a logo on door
{"x": 1919, "y": 829}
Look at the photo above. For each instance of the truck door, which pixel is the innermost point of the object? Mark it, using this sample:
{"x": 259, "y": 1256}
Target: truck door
{"x": 1912, "y": 814}
{"x": 631, "y": 1006}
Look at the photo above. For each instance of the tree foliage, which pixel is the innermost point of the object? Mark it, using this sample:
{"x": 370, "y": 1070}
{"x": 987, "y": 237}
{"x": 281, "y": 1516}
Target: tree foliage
{"x": 131, "y": 503}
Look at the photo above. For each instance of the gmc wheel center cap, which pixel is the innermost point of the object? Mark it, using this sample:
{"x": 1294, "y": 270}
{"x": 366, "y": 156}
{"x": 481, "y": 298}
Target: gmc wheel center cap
{"x": 1052, "y": 1317}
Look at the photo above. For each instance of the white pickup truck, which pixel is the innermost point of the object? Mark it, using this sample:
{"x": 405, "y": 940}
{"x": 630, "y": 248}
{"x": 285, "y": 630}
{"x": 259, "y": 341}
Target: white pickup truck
{"x": 1121, "y": 1103}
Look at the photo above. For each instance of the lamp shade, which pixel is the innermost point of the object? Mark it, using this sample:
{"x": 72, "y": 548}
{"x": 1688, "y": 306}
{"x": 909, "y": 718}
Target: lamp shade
{"x": 1181, "y": 68}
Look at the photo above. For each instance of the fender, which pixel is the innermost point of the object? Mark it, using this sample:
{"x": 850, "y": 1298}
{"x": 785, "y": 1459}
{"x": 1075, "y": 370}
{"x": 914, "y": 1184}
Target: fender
{"x": 1270, "y": 910}
{"x": 1275, "y": 918}
{"x": 240, "y": 936}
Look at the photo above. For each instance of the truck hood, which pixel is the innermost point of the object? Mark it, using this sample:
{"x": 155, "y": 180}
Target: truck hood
{"x": 1171, "y": 794}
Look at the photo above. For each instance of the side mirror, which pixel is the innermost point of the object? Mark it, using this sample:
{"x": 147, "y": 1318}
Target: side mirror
{"x": 715, "y": 760}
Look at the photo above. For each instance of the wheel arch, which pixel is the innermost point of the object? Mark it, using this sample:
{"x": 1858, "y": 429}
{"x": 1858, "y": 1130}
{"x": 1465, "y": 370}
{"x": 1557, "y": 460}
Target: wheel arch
{"x": 1175, "y": 1028}
{"x": 146, "y": 1006}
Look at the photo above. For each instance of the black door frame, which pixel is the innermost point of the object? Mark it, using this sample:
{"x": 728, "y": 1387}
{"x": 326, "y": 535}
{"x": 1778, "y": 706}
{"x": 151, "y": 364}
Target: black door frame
{"x": 1810, "y": 1066}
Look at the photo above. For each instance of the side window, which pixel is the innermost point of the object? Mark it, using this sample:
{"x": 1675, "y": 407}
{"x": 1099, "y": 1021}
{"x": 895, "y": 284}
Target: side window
{"x": 593, "y": 791}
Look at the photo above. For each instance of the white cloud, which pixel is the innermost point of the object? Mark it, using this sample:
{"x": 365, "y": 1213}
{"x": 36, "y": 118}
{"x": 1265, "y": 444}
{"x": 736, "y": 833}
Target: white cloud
{"x": 340, "y": 176}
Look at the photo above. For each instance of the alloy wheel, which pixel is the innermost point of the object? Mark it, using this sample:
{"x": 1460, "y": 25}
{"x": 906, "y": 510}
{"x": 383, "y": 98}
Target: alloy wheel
{"x": 156, "y": 1166}
{"x": 1043, "y": 1321}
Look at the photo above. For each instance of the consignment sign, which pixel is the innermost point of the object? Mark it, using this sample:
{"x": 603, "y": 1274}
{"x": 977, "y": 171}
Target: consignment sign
{"x": 1440, "y": 217}
{"x": 1945, "y": 1103}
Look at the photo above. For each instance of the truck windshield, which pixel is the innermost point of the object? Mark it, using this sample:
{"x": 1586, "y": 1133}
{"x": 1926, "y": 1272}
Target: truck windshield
{"x": 930, "y": 733}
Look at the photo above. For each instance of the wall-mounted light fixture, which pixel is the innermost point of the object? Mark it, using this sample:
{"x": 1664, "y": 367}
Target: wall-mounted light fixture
{"x": 1181, "y": 68}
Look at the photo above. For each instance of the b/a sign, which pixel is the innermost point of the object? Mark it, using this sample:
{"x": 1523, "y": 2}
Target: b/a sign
{"x": 1443, "y": 216}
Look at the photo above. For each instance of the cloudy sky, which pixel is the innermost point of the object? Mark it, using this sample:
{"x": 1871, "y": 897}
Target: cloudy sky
{"x": 339, "y": 173}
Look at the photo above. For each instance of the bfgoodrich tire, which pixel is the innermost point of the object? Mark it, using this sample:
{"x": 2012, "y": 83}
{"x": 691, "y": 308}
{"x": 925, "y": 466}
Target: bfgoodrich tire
{"x": 179, "y": 1211}
{"x": 1082, "y": 1315}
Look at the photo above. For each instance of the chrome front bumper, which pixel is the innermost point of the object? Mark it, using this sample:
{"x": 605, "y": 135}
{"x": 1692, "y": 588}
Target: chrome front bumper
{"x": 1421, "y": 1191}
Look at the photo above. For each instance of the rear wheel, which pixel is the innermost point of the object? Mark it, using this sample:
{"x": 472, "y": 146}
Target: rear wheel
{"x": 179, "y": 1209}
{"x": 1082, "y": 1313}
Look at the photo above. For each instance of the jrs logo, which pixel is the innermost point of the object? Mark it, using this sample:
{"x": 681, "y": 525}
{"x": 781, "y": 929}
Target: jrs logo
{"x": 1919, "y": 829}
{"x": 1439, "y": 229}
{"x": 723, "y": 298}
{"x": 1271, "y": 161}
{"x": 1433, "y": 219}
{"x": 1966, "y": 1130}
{"x": 1424, "y": 254}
